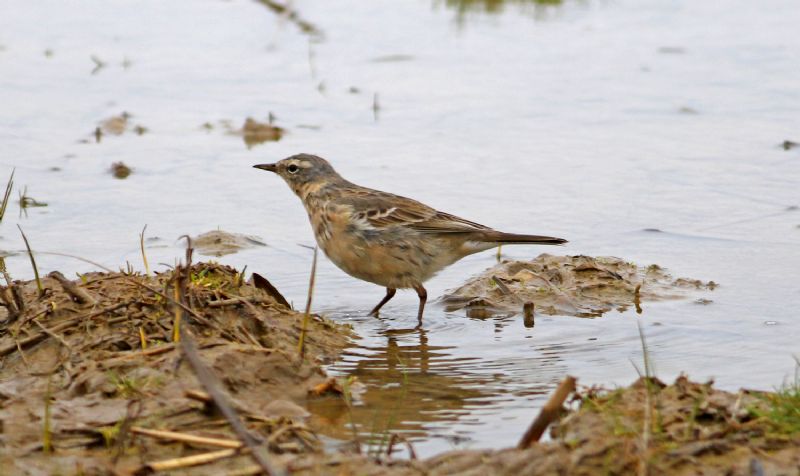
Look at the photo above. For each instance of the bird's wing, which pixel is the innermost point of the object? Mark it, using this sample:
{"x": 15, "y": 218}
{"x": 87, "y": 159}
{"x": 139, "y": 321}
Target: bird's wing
{"x": 383, "y": 210}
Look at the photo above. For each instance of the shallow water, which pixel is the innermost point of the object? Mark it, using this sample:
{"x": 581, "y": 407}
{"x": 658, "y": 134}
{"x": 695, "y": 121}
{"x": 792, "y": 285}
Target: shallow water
{"x": 590, "y": 120}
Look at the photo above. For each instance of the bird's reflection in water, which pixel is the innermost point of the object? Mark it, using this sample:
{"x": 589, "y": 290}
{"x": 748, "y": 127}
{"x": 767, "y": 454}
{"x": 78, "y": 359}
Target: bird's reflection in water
{"x": 418, "y": 390}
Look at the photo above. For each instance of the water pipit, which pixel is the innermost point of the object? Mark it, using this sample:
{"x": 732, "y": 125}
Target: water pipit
{"x": 386, "y": 239}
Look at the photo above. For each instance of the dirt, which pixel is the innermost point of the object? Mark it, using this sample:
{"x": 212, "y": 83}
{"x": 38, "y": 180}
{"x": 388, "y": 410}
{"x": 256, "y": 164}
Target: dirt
{"x": 686, "y": 428}
{"x": 581, "y": 286}
{"x": 86, "y": 373}
{"x": 90, "y": 367}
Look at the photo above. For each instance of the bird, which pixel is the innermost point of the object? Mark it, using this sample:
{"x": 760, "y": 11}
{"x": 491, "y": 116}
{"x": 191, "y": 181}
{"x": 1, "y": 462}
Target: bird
{"x": 385, "y": 239}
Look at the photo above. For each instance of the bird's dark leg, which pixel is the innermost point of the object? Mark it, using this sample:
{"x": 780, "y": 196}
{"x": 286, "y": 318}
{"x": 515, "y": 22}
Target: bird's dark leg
{"x": 423, "y": 296}
{"x": 389, "y": 295}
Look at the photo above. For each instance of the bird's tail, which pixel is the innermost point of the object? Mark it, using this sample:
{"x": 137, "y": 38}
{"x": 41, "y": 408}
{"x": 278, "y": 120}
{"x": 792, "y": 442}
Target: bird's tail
{"x": 510, "y": 238}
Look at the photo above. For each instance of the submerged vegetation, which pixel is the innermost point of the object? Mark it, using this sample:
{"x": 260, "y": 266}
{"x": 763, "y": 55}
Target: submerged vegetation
{"x": 465, "y": 7}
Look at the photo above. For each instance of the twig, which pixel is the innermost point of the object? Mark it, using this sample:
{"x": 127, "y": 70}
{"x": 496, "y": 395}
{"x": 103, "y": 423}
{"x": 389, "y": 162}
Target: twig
{"x": 33, "y": 263}
{"x": 187, "y": 438}
{"x": 198, "y": 395}
{"x": 394, "y": 439}
{"x": 648, "y": 409}
{"x": 286, "y": 11}
{"x": 194, "y": 460}
{"x": 142, "y": 338}
{"x": 7, "y": 195}
{"x": 212, "y": 385}
{"x": 637, "y": 298}
{"x": 73, "y": 290}
{"x": 307, "y": 315}
{"x": 549, "y": 412}
{"x": 144, "y": 255}
{"x": 176, "y": 290}
{"x": 527, "y": 313}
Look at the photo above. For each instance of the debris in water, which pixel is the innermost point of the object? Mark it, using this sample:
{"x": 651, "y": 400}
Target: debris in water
{"x": 569, "y": 285}
{"x": 26, "y": 200}
{"x": 120, "y": 170}
{"x": 98, "y": 64}
{"x": 220, "y": 243}
{"x": 254, "y": 132}
{"x": 116, "y": 126}
{"x": 789, "y": 145}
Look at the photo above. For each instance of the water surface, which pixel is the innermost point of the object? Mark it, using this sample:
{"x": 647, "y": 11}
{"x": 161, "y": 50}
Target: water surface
{"x": 588, "y": 120}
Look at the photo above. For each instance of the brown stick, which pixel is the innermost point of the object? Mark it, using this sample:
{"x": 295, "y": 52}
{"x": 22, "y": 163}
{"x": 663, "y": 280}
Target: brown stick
{"x": 72, "y": 289}
{"x": 198, "y": 395}
{"x": 394, "y": 439}
{"x": 212, "y": 385}
{"x": 194, "y": 460}
{"x": 549, "y": 412}
{"x": 527, "y": 312}
{"x": 187, "y": 438}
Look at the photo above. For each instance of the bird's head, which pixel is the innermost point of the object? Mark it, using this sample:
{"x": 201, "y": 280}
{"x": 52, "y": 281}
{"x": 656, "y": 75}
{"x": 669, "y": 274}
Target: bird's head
{"x": 305, "y": 173}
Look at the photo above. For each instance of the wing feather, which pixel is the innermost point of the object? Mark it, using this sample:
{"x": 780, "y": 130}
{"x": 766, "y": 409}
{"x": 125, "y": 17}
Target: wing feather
{"x": 384, "y": 210}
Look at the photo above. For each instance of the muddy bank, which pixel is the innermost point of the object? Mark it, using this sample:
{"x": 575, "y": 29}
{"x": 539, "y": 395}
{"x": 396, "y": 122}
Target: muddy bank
{"x": 686, "y": 428}
{"x": 88, "y": 363}
{"x": 93, "y": 381}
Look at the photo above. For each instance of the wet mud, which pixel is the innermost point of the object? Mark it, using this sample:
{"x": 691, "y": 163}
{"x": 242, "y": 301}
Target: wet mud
{"x": 581, "y": 286}
{"x": 94, "y": 380}
{"x": 220, "y": 243}
{"x": 86, "y": 364}
{"x": 686, "y": 428}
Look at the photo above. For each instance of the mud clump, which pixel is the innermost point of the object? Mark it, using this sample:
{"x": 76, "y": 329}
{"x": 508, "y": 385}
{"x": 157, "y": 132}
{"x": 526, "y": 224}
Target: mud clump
{"x": 254, "y": 132}
{"x": 220, "y": 243}
{"x": 90, "y": 366}
{"x": 117, "y": 126}
{"x": 568, "y": 285}
{"x": 120, "y": 170}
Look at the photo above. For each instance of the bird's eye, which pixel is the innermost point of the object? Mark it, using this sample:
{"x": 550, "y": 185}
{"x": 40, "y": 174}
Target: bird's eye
{"x": 293, "y": 169}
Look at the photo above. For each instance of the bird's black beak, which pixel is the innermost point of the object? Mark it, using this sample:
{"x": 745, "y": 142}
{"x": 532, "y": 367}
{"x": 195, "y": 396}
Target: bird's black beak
{"x": 267, "y": 167}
